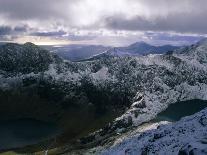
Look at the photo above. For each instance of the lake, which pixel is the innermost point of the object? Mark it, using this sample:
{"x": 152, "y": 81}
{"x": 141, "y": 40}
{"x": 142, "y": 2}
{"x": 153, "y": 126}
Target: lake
{"x": 19, "y": 133}
{"x": 74, "y": 124}
{"x": 77, "y": 123}
{"x": 181, "y": 109}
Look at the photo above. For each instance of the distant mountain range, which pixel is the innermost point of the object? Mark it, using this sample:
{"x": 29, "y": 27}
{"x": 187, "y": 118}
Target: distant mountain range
{"x": 77, "y": 52}
{"x": 82, "y": 52}
{"x": 136, "y": 49}
{"x": 140, "y": 48}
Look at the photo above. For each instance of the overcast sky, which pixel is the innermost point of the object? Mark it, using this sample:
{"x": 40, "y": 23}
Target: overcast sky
{"x": 108, "y": 22}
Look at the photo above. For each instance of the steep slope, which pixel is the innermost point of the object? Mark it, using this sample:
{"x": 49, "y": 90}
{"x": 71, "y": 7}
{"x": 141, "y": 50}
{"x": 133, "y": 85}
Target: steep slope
{"x": 183, "y": 77}
{"x": 187, "y": 136}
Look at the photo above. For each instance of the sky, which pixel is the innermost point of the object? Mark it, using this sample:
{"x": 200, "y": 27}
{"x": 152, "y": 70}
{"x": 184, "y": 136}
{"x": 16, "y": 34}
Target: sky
{"x": 105, "y": 22}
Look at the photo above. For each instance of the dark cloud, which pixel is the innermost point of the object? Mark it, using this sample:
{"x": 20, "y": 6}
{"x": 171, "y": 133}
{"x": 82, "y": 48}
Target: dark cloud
{"x": 5, "y": 30}
{"x": 182, "y": 23}
{"x": 23, "y": 28}
{"x": 49, "y": 34}
{"x": 48, "y": 18}
{"x": 30, "y": 9}
{"x": 186, "y": 16}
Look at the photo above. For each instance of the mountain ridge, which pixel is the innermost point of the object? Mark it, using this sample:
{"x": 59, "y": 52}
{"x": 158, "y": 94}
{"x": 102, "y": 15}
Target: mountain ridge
{"x": 85, "y": 52}
{"x": 24, "y": 58}
{"x": 136, "y": 49}
{"x": 137, "y": 87}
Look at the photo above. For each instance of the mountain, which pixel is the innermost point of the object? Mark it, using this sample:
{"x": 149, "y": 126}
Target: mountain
{"x": 88, "y": 52}
{"x": 187, "y": 136}
{"x": 3, "y": 43}
{"x": 143, "y": 48}
{"x": 25, "y": 58}
{"x": 134, "y": 89}
{"x": 137, "y": 49}
{"x": 77, "y": 52}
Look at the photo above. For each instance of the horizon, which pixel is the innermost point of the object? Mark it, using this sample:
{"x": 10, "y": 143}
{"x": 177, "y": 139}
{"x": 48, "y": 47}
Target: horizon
{"x": 82, "y": 44}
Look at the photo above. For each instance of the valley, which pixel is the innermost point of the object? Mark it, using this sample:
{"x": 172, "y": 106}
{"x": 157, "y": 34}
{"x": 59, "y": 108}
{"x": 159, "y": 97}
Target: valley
{"x": 92, "y": 101}
{"x": 103, "y": 77}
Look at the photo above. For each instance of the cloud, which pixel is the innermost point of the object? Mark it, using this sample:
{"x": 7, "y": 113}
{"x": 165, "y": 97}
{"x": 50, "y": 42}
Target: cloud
{"x": 186, "y": 16}
{"x": 5, "y": 30}
{"x": 172, "y": 38}
{"x": 8, "y": 30}
{"x": 20, "y": 29}
{"x": 49, "y": 34}
{"x": 29, "y": 9}
{"x": 182, "y": 23}
{"x": 66, "y": 18}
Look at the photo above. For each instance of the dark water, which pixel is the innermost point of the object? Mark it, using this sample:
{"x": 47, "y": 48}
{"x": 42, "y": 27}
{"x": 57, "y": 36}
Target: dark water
{"x": 77, "y": 123}
{"x": 181, "y": 109}
{"x": 74, "y": 124}
{"x": 24, "y": 132}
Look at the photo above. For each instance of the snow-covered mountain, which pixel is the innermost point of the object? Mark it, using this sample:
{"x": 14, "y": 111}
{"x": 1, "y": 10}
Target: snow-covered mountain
{"x": 185, "y": 137}
{"x": 136, "y": 88}
{"x": 25, "y": 58}
{"x": 137, "y": 49}
{"x": 88, "y": 52}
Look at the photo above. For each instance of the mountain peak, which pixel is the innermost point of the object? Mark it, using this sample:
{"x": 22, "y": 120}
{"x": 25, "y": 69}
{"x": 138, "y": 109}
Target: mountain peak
{"x": 138, "y": 44}
{"x": 29, "y": 44}
{"x": 24, "y": 58}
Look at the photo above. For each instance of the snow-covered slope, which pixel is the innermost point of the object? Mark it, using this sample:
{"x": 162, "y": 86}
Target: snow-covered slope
{"x": 185, "y": 137}
{"x": 148, "y": 84}
{"x": 137, "y": 87}
{"x": 25, "y": 58}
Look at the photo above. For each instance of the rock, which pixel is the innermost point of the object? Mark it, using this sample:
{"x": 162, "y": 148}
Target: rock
{"x": 203, "y": 120}
{"x": 140, "y": 104}
{"x": 183, "y": 152}
{"x": 129, "y": 120}
{"x": 157, "y": 136}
